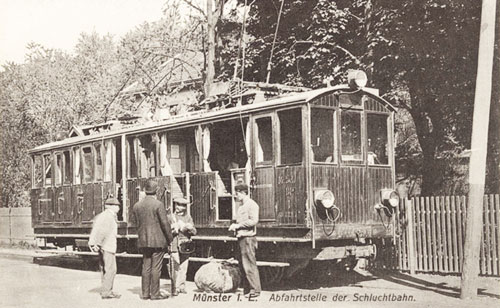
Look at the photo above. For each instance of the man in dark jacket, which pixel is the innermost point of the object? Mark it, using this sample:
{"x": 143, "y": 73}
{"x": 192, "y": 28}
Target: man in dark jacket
{"x": 154, "y": 237}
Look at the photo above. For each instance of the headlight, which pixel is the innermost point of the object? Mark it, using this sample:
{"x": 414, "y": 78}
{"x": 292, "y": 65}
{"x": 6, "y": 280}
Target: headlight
{"x": 389, "y": 197}
{"x": 324, "y": 198}
{"x": 356, "y": 79}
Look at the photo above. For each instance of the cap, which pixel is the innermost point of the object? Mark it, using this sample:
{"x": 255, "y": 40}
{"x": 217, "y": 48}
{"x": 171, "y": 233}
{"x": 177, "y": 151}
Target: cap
{"x": 112, "y": 201}
{"x": 241, "y": 187}
{"x": 181, "y": 201}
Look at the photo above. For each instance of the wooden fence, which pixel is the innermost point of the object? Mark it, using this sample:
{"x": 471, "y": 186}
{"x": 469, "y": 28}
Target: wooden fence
{"x": 431, "y": 235}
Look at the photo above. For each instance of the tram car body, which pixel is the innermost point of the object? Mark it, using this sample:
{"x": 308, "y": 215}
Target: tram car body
{"x": 319, "y": 163}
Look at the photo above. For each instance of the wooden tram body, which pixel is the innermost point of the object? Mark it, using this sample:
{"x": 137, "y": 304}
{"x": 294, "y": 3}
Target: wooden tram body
{"x": 286, "y": 148}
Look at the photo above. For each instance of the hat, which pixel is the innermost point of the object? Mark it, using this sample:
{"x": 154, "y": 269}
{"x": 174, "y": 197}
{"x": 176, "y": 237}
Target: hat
{"x": 151, "y": 187}
{"x": 112, "y": 201}
{"x": 181, "y": 201}
{"x": 241, "y": 187}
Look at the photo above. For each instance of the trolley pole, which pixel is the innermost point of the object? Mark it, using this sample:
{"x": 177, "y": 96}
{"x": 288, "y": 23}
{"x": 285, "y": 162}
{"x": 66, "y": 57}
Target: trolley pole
{"x": 477, "y": 166}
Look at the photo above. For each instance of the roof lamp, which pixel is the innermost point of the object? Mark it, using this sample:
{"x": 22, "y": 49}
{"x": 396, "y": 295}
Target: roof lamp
{"x": 356, "y": 79}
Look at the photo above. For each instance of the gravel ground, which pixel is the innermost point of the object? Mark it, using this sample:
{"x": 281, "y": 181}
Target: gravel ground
{"x": 25, "y": 284}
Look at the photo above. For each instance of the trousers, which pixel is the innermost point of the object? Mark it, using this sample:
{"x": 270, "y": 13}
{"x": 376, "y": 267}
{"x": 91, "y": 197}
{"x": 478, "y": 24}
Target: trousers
{"x": 107, "y": 265}
{"x": 248, "y": 264}
{"x": 152, "y": 261}
{"x": 180, "y": 264}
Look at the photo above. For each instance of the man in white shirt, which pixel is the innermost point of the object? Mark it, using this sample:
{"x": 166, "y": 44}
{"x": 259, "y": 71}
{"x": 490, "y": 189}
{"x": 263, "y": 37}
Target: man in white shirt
{"x": 103, "y": 240}
{"x": 245, "y": 228}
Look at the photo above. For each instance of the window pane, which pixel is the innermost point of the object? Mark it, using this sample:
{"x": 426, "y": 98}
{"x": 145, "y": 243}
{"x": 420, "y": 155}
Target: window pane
{"x": 377, "y": 139}
{"x": 88, "y": 175}
{"x": 290, "y": 136}
{"x": 108, "y": 160}
{"x": 77, "y": 166}
{"x": 147, "y": 156}
{"x": 48, "y": 169}
{"x": 58, "y": 170}
{"x": 351, "y": 136}
{"x": 98, "y": 161}
{"x": 67, "y": 167}
{"x": 322, "y": 135}
{"x": 132, "y": 159}
{"x": 38, "y": 172}
{"x": 264, "y": 150}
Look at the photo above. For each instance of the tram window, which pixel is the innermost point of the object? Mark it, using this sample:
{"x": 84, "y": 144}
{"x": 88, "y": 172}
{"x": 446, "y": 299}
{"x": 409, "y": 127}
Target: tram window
{"x": 47, "y": 163}
{"x": 290, "y": 136}
{"x": 58, "y": 170}
{"x": 132, "y": 170}
{"x": 98, "y": 161}
{"x": 323, "y": 135}
{"x": 351, "y": 136}
{"x": 264, "y": 150}
{"x": 147, "y": 156}
{"x": 67, "y": 168}
{"x": 377, "y": 139}
{"x": 88, "y": 174}
{"x": 108, "y": 160}
{"x": 77, "y": 167}
{"x": 37, "y": 171}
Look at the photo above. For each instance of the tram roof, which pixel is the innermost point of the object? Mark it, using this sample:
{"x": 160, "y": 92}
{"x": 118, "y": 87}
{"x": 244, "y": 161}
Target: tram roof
{"x": 198, "y": 117}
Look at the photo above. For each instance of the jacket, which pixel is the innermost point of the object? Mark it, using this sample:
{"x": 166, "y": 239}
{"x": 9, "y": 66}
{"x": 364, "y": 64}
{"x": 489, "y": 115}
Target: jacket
{"x": 151, "y": 220}
{"x": 186, "y": 230}
{"x": 247, "y": 218}
{"x": 104, "y": 231}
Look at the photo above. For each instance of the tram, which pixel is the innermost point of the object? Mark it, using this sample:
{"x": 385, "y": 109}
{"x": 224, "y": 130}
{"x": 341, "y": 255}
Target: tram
{"x": 320, "y": 164}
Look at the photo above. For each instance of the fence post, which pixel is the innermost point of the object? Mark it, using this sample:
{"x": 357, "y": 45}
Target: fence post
{"x": 412, "y": 257}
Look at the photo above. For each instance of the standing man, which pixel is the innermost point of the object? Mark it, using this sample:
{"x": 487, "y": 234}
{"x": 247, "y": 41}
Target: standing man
{"x": 154, "y": 236}
{"x": 182, "y": 228}
{"x": 103, "y": 240}
{"x": 247, "y": 218}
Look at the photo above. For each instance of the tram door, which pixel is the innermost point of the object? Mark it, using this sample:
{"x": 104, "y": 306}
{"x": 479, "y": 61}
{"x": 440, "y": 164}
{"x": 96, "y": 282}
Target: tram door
{"x": 263, "y": 191}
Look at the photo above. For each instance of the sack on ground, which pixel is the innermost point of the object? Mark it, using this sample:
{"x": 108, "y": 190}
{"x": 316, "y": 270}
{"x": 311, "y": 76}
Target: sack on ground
{"x": 217, "y": 277}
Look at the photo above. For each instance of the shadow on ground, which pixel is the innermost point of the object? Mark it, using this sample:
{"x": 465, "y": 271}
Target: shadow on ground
{"x": 425, "y": 285}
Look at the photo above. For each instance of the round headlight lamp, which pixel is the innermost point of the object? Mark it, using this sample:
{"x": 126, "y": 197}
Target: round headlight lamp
{"x": 389, "y": 197}
{"x": 324, "y": 198}
{"x": 357, "y": 79}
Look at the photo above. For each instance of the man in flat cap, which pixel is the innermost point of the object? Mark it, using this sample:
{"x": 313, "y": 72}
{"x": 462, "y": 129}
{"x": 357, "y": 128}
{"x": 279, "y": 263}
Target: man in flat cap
{"x": 247, "y": 217}
{"x": 182, "y": 229}
{"x": 103, "y": 240}
{"x": 154, "y": 237}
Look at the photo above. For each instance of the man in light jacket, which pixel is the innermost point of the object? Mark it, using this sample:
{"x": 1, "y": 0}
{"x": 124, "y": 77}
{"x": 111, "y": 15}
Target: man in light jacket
{"x": 154, "y": 237}
{"x": 247, "y": 218}
{"x": 103, "y": 240}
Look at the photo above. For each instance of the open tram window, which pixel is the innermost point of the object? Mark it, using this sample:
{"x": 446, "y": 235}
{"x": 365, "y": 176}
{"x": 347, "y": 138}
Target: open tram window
{"x": 377, "y": 139}
{"x": 132, "y": 158}
{"x": 58, "y": 170}
{"x": 323, "y": 135}
{"x": 147, "y": 155}
{"x": 351, "y": 136}
{"x": 98, "y": 161}
{"x": 290, "y": 136}
{"x": 67, "y": 168}
{"x": 264, "y": 138}
{"x": 47, "y": 166}
{"x": 37, "y": 171}
{"x": 88, "y": 166}
{"x": 108, "y": 161}
{"x": 77, "y": 166}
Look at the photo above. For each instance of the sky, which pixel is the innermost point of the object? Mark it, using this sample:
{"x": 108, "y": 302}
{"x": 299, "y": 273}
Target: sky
{"x": 58, "y": 23}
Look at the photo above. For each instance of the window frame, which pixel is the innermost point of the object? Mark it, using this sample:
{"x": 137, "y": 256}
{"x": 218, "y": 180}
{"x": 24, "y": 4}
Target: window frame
{"x": 274, "y": 147}
{"x": 390, "y": 146}
{"x": 277, "y": 138}
{"x": 33, "y": 171}
{"x": 58, "y": 153}
{"x": 84, "y": 164}
{"x": 44, "y": 185}
{"x": 335, "y": 135}
{"x": 361, "y": 112}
